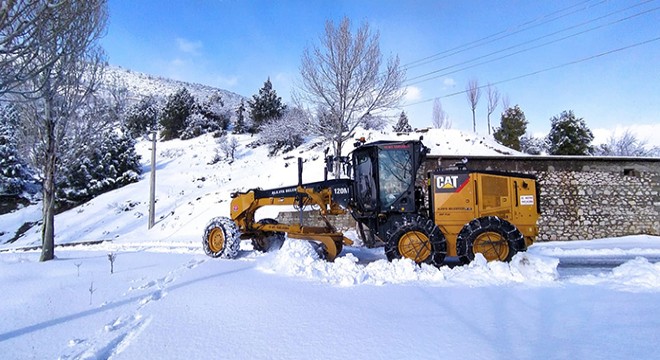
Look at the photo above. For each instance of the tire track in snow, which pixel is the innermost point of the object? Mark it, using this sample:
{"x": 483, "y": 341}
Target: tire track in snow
{"x": 118, "y": 334}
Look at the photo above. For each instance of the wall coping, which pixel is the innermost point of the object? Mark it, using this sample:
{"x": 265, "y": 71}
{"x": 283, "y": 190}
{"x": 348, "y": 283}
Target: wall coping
{"x": 548, "y": 157}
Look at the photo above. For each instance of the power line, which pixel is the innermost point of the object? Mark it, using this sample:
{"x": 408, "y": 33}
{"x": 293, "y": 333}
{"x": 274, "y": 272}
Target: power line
{"x": 423, "y": 76}
{"x": 544, "y": 70}
{"x": 494, "y": 37}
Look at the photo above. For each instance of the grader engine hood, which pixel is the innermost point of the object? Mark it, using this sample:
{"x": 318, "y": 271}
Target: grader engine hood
{"x": 342, "y": 193}
{"x": 450, "y": 183}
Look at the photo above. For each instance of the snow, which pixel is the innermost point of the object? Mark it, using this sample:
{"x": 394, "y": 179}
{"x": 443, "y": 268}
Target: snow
{"x": 139, "y": 85}
{"x": 166, "y": 299}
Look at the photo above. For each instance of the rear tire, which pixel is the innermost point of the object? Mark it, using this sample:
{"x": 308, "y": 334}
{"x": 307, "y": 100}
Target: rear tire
{"x": 417, "y": 238}
{"x": 495, "y": 238}
{"x": 268, "y": 240}
{"x": 221, "y": 238}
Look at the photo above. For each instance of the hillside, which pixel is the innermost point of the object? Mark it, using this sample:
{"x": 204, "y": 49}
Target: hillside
{"x": 140, "y": 85}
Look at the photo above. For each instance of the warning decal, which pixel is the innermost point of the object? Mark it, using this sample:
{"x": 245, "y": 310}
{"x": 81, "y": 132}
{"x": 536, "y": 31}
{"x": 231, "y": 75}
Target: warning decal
{"x": 526, "y": 199}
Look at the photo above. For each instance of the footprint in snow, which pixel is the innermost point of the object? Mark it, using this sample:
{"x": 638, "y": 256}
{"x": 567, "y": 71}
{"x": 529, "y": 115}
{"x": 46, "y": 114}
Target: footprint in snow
{"x": 107, "y": 344}
{"x": 156, "y": 295}
{"x": 194, "y": 263}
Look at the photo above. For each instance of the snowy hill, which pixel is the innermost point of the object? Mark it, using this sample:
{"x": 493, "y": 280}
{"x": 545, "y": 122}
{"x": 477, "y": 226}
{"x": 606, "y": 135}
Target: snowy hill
{"x": 140, "y": 85}
{"x": 166, "y": 299}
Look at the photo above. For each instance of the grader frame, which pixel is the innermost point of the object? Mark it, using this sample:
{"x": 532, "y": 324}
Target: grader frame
{"x": 331, "y": 197}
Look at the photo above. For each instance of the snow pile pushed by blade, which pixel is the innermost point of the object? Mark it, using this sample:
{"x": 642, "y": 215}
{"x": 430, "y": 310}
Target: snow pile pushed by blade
{"x": 634, "y": 275}
{"x": 299, "y": 259}
{"x": 523, "y": 268}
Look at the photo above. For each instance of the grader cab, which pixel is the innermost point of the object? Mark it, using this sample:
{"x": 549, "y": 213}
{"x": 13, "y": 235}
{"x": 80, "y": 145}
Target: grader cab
{"x": 424, "y": 217}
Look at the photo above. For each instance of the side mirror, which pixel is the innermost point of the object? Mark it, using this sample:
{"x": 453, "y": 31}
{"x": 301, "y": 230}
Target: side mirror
{"x": 329, "y": 163}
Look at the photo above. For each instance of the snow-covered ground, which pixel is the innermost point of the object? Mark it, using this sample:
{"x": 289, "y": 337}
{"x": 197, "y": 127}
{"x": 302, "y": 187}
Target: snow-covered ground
{"x": 166, "y": 299}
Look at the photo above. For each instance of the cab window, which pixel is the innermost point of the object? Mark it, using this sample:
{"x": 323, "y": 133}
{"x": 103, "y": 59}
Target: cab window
{"x": 395, "y": 174}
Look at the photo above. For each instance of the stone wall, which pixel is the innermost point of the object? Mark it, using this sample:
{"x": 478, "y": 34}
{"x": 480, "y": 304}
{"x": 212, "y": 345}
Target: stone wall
{"x": 581, "y": 197}
{"x": 587, "y": 205}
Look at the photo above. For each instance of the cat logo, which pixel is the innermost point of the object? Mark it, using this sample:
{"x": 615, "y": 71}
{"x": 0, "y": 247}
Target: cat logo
{"x": 450, "y": 183}
{"x": 446, "y": 182}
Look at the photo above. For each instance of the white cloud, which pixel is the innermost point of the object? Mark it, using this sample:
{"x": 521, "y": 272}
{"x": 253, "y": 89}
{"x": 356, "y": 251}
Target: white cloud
{"x": 194, "y": 70}
{"x": 282, "y": 78}
{"x": 449, "y": 82}
{"x": 177, "y": 69}
{"x": 189, "y": 47}
{"x": 226, "y": 81}
{"x": 177, "y": 62}
{"x": 413, "y": 93}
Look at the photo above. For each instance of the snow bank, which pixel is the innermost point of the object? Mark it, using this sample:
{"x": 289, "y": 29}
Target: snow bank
{"x": 299, "y": 259}
{"x": 359, "y": 267}
{"x": 642, "y": 245}
{"x": 638, "y": 275}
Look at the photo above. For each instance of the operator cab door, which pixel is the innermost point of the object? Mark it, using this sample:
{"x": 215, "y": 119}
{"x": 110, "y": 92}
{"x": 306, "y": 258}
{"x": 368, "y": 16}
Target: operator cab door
{"x": 365, "y": 182}
{"x": 396, "y": 178}
{"x": 385, "y": 178}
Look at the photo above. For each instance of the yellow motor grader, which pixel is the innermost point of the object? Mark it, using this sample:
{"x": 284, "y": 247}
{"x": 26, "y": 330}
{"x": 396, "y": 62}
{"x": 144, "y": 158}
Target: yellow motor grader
{"x": 446, "y": 212}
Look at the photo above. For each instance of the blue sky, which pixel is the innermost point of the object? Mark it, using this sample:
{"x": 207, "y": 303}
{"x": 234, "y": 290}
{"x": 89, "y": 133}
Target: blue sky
{"x": 237, "y": 45}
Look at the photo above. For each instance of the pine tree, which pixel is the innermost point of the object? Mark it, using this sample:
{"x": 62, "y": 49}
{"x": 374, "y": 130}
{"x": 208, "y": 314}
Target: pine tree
{"x": 111, "y": 165}
{"x": 513, "y": 126}
{"x": 14, "y": 173}
{"x": 142, "y": 117}
{"x": 402, "y": 126}
{"x": 211, "y": 116}
{"x": 240, "y": 127}
{"x": 173, "y": 119}
{"x": 569, "y": 135}
{"x": 374, "y": 122}
{"x": 265, "y": 106}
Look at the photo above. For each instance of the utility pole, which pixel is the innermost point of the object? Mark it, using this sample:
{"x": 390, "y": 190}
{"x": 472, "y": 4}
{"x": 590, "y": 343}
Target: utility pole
{"x": 152, "y": 183}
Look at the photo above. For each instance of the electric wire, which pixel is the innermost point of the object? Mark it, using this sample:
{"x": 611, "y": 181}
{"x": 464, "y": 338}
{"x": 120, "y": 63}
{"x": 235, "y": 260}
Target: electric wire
{"x": 609, "y": 52}
{"x": 494, "y": 37}
{"x": 424, "y": 77}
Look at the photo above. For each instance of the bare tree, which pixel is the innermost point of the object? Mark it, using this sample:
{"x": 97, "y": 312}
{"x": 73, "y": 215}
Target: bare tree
{"x": 493, "y": 99}
{"x": 58, "y": 89}
{"x": 286, "y": 132}
{"x": 439, "y": 116}
{"x": 473, "y": 93}
{"x": 627, "y": 145}
{"x": 343, "y": 80}
{"x": 117, "y": 90}
{"x": 24, "y": 26}
{"x": 506, "y": 102}
{"x": 228, "y": 146}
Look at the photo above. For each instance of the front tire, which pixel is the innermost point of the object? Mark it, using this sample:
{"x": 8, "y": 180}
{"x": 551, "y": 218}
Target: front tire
{"x": 417, "y": 238}
{"x": 221, "y": 238}
{"x": 495, "y": 238}
{"x": 268, "y": 240}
